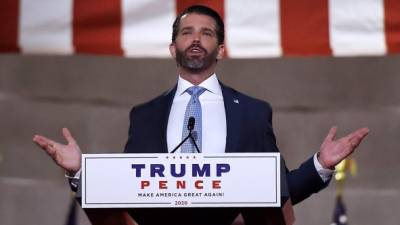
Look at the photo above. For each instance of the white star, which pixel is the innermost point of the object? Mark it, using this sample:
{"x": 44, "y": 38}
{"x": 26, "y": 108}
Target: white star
{"x": 343, "y": 219}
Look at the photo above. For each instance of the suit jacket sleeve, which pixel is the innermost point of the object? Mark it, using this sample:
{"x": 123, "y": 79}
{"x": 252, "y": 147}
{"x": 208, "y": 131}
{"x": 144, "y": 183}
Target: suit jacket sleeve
{"x": 130, "y": 143}
{"x": 303, "y": 181}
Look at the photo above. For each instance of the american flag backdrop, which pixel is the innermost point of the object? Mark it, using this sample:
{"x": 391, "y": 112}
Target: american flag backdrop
{"x": 254, "y": 28}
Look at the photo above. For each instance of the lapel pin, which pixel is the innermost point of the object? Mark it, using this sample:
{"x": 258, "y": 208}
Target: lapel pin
{"x": 236, "y": 101}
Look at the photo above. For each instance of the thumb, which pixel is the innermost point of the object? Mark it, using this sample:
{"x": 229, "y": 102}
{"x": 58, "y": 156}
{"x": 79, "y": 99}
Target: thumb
{"x": 331, "y": 135}
{"x": 68, "y": 136}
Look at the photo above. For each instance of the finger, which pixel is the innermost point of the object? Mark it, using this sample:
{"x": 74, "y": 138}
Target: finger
{"x": 331, "y": 134}
{"x": 41, "y": 141}
{"x": 360, "y": 134}
{"x": 68, "y": 136}
{"x": 38, "y": 140}
{"x": 356, "y": 140}
{"x": 363, "y": 132}
{"x": 46, "y": 144}
{"x": 51, "y": 149}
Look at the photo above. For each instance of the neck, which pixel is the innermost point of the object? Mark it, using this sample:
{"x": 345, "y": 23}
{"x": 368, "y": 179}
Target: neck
{"x": 196, "y": 77}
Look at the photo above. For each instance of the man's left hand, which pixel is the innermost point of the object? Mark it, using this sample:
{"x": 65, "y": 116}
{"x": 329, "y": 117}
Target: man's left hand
{"x": 333, "y": 151}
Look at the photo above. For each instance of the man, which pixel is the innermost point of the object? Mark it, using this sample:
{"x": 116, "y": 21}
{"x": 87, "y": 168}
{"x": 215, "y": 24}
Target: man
{"x": 226, "y": 121}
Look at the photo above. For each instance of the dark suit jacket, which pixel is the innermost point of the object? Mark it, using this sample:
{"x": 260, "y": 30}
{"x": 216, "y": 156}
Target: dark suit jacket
{"x": 249, "y": 129}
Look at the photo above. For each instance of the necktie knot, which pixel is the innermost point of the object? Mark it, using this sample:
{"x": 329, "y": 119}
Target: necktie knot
{"x": 195, "y": 91}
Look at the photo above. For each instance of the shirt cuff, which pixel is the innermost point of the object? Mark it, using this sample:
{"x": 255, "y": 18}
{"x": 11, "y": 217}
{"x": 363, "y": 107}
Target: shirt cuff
{"x": 77, "y": 175}
{"x": 325, "y": 174}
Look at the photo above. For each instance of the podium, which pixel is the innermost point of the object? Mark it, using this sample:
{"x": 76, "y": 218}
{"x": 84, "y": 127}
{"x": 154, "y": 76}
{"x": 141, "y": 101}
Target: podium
{"x": 253, "y": 184}
{"x": 283, "y": 215}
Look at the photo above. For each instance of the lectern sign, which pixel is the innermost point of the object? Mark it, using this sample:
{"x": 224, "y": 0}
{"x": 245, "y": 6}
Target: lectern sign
{"x": 181, "y": 180}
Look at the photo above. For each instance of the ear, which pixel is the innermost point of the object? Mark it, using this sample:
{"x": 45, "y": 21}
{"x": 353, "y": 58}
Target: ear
{"x": 221, "y": 51}
{"x": 172, "y": 50}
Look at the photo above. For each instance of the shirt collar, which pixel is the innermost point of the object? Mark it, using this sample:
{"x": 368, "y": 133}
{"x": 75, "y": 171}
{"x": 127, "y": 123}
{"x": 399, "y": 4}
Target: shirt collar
{"x": 211, "y": 84}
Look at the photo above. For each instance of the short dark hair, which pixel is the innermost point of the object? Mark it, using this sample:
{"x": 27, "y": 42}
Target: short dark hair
{"x": 202, "y": 10}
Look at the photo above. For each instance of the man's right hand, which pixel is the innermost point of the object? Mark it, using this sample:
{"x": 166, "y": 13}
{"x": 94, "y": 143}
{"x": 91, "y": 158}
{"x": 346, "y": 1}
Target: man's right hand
{"x": 66, "y": 156}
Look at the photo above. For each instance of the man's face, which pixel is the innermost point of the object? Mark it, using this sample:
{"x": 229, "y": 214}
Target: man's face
{"x": 196, "y": 45}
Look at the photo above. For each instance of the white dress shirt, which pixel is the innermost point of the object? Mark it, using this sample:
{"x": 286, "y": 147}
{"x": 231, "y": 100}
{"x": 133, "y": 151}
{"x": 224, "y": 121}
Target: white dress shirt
{"x": 213, "y": 116}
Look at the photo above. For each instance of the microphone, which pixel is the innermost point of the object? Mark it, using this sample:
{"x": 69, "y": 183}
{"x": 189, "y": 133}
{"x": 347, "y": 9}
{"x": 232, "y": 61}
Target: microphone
{"x": 191, "y": 123}
{"x": 190, "y": 127}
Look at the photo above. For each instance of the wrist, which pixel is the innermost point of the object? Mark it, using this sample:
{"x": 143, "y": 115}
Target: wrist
{"x": 322, "y": 162}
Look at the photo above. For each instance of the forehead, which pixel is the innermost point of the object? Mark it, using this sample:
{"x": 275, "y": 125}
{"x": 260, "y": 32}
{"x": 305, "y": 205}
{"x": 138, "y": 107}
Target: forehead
{"x": 197, "y": 20}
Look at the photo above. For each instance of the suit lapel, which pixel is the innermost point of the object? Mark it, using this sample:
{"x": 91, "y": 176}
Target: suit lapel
{"x": 165, "y": 108}
{"x": 233, "y": 118}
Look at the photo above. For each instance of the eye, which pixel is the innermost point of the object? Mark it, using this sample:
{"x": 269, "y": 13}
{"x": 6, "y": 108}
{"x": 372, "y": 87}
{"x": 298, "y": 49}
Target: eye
{"x": 208, "y": 33}
{"x": 185, "y": 32}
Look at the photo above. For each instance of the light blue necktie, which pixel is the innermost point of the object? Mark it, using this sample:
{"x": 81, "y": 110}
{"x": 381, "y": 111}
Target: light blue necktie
{"x": 193, "y": 109}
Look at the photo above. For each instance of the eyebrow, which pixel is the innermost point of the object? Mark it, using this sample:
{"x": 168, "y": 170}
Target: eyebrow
{"x": 186, "y": 28}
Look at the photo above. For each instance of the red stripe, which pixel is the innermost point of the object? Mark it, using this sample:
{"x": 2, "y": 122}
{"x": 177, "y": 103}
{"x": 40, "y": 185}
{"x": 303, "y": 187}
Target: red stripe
{"x": 97, "y": 26}
{"x": 305, "y": 27}
{"x": 217, "y": 5}
{"x": 392, "y": 25}
{"x": 9, "y": 15}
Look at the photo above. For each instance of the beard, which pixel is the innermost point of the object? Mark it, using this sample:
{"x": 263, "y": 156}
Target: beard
{"x": 196, "y": 64}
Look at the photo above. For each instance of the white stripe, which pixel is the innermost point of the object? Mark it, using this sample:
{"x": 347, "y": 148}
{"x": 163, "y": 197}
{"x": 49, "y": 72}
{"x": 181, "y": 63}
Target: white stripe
{"x": 45, "y": 26}
{"x": 253, "y": 29}
{"x": 147, "y": 27}
{"x": 357, "y": 27}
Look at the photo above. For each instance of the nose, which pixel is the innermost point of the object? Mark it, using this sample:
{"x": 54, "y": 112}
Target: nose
{"x": 196, "y": 37}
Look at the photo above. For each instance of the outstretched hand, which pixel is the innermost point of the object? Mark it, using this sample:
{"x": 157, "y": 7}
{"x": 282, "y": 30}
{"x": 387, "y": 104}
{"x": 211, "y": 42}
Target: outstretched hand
{"x": 67, "y": 156}
{"x": 333, "y": 151}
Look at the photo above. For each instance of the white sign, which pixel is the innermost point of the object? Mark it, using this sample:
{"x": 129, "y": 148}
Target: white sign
{"x": 181, "y": 180}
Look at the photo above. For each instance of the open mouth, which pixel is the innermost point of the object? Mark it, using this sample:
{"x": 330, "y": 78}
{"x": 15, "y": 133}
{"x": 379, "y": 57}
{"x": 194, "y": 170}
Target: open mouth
{"x": 196, "y": 50}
